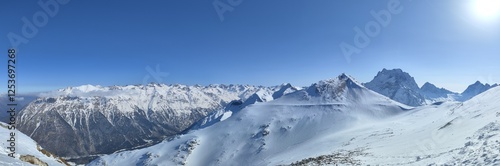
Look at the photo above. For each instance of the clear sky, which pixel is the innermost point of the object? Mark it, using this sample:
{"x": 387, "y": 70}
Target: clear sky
{"x": 450, "y": 43}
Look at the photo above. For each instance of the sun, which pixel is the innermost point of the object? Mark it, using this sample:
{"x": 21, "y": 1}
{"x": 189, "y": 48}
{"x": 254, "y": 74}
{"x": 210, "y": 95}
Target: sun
{"x": 487, "y": 9}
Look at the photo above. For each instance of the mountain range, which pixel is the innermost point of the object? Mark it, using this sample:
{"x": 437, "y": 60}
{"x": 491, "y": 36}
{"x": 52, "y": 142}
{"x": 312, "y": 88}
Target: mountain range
{"x": 85, "y": 122}
{"x": 336, "y": 121}
{"x": 77, "y": 122}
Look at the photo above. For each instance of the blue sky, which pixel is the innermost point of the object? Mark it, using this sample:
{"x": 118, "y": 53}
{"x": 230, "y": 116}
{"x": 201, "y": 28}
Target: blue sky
{"x": 259, "y": 42}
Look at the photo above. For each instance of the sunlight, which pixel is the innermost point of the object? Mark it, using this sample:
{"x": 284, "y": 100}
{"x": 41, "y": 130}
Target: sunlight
{"x": 486, "y": 9}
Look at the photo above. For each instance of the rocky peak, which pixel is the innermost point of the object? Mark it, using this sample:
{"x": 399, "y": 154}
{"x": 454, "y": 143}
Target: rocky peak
{"x": 397, "y": 85}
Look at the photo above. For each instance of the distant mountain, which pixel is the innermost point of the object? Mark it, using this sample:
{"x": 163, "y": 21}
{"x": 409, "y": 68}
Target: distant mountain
{"x": 397, "y": 85}
{"x": 292, "y": 127}
{"x": 81, "y": 122}
{"x": 475, "y": 89}
{"x": 431, "y": 92}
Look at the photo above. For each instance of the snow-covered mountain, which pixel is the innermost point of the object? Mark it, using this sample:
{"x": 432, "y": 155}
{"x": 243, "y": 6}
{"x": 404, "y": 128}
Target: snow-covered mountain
{"x": 79, "y": 122}
{"x": 397, "y": 85}
{"x": 475, "y": 89}
{"x": 280, "y": 131}
{"x": 337, "y": 121}
{"x": 27, "y": 151}
{"x": 435, "y": 94}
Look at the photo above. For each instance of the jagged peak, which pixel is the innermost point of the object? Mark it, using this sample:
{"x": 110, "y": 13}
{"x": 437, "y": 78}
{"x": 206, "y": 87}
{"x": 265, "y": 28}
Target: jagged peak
{"x": 478, "y": 83}
{"x": 346, "y": 77}
{"x": 341, "y": 82}
{"x": 397, "y": 85}
{"x": 476, "y": 87}
{"x": 428, "y": 84}
{"x": 392, "y": 70}
{"x": 286, "y": 84}
{"x": 395, "y": 77}
{"x": 341, "y": 78}
{"x": 343, "y": 75}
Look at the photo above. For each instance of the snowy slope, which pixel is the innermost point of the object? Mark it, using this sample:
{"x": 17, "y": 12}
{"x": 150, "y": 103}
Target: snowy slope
{"x": 25, "y": 146}
{"x": 337, "y": 122}
{"x": 275, "y": 132}
{"x": 451, "y": 133}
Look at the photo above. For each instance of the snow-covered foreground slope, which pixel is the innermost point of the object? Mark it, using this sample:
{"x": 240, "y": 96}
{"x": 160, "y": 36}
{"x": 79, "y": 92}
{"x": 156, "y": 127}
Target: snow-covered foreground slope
{"x": 27, "y": 150}
{"x": 444, "y": 133}
{"x": 296, "y": 126}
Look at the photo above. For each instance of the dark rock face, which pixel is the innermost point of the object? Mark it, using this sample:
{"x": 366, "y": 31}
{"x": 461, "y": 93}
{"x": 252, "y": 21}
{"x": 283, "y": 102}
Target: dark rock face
{"x": 397, "y": 85}
{"x": 75, "y": 131}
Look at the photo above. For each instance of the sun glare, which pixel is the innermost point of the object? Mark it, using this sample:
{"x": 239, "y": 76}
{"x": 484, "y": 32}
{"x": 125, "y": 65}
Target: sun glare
{"x": 487, "y": 9}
